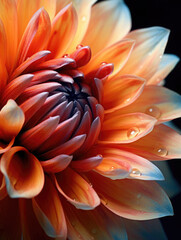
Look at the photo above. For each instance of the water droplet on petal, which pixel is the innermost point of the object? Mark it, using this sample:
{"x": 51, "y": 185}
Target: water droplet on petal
{"x": 79, "y": 46}
{"x": 136, "y": 172}
{"x": 153, "y": 111}
{"x": 66, "y": 55}
{"x": 112, "y": 168}
{"x": 162, "y": 152}
{"x": 103, "y": 63}
{"x": 83, "y": 18}
{"x": 133, "y": 132}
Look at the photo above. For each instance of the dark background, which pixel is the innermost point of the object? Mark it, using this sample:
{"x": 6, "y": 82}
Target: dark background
{"x": 167, "y": 14}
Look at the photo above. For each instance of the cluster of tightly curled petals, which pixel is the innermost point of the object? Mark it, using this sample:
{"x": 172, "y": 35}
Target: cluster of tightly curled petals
{"x": 82, "y": 118}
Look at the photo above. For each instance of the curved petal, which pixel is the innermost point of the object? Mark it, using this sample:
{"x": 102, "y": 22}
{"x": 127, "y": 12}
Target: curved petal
{"x": 23, "y": 173}
{"x": 161, "y": 144}
{"x": 110, "y": 22}
{"x": 10, "y": 220}
{"x": 121, "y": 91}
{"x": 35, "y": 36}
{"x": 158, "y": 102}
{"x": 4, "y": 147}
{"x": 117, "y": 54}
{"x": 83, "y": 9}
{"x": 27, "y": 8}
{"x": 11, "y": 120}
{"x": 167, "y": 64}
{"x": 139, "y": 168}
{"x": 126, "y": 128}
{"x": 3, "y": 191}
{"x": 132, "y": 199}
{"x": 145, "y": 230}
{"x": 8, "y": 15}
{"x": 76, "y": 190}
{"x": 95, "y": 224}
{"x": 56, "y": 164}
{"x": 61, "y": 37}
{"x": 30, "y": 226}
{"x": 49, "y": 212}
{"x": 148, "y": 50}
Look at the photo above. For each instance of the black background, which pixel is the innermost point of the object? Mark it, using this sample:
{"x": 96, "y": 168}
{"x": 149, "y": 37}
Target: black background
{"x": 165, "y": 13}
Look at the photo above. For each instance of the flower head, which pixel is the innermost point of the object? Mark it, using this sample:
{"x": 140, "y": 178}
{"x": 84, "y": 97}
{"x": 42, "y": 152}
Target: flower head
{"x": 82, "y": 117}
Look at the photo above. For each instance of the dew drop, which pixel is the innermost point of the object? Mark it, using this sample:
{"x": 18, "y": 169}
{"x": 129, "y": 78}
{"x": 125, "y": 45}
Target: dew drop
{"x": 66, "y": 55}
{"x": 112, "y": 168}
{"x": 136, "y": 172}
{"x": 153, "y": 111}
{"x": 133, "y": 132}
{"x": 83, "y": 18}
{"x": 103, "y": 63}
{"x": 162, "y": 152}
{"x": 79, "y": 46}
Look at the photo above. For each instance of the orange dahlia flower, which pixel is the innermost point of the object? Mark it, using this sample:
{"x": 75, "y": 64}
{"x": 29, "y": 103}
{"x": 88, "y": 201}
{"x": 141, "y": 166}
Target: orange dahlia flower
{"x": 82, "y": 117}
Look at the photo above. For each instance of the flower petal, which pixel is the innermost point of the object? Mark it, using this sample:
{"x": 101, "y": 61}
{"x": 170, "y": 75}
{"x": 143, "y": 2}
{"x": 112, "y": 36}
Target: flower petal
{"x": 158, "y": 102}
{"x": 30, "y": 226}
{"x": 76, "y": 190}
{"x": 83, "y": 9}
{"x": 56, "y": 164}
{"x": 161, "y": 144}
{"x": 34, "y": 137}
{"x": 35, "y": 36}
{"x": 26, "y": 9}
{"x": 61, "y": 37}
{"x": 3, "y": 191}
{"x": 145, "y": 230}
{"x": 95, "y": 224}
{"x": 11, "y": 120}
{"x": 126, "y": 128}
{"x": 23, "y": 173}
{"x": 117, "y": 54}
{"x": 3, "y": 46}
{"x": 121, "y": 91}
{"x": 8, "y": 15}
{"x": 10, "y": 220}
{"x": 132, "y": 199}
{"x": 49, "y": 212}
{"x": 168, "y": 62}
{"x": 109, "y": 19}
{"x": 150, "y": 45}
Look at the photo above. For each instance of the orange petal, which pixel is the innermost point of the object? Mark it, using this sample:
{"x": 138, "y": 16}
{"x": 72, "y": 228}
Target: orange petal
{"x": 11, "y": 120}
{"x": 121, "y": 91}
{"x": 10, "y": 219}
{"x": 110, "y": 22}
{"x": 132, "y": 199}
{"x": 34, "y": 137}
{"x": 158, "y": 102}
{"x": 31, "y": 228}
{"x": 4, "y": 147}
{"x": 33, "y": 104}
{"x": 76, "y": 190}
{"x": 8, "y": 15}
{"x": 3, "y": 44}
{"x": 35, "y": 36}
{"x": 126, "y": 128}
{"x": 16, "y": 87}
{"x": 167, "y": 64}
{"x": 49, "y": 212}
{"x": 66, "y": 148}
{"x": 95, "y": 224}
{"x": 23, "y": 178}
{"x": 85, "y": 165}
{"x": 117, "y": 54}
{"x": 83, "y": 9}
{"x": 26, "y": 9}
{"x": 149, "y": 47}
{"x": 3, "y": 191}
{"x": 161, "y": 144}
{"x": 61, "y": 37}
{"x": 56, "y": 164}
